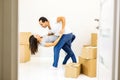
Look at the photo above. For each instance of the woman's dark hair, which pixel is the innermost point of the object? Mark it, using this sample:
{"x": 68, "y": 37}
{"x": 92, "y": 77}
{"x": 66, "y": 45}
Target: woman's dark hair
{"x": 43, "y": 19}
{"x": 33, "y": 44}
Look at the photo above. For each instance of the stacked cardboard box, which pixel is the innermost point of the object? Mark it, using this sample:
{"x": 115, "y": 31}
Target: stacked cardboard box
{"x": 89, "y": 52}
{"x": 93, "y": 39}
{"x": 88, "y": 57}
{"x": 24, "y": 51}
{"x": 72, "y": 70}
{"x": 88, "y": 66}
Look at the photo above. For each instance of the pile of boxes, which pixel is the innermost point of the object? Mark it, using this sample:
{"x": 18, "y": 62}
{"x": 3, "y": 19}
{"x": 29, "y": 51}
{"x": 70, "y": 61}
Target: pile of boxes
{"x": 24, "y": 51}
{"x": 87, "y": 61}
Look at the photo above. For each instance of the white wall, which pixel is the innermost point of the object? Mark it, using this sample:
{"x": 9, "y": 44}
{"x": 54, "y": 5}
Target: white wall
{"x": 80, "y": 15}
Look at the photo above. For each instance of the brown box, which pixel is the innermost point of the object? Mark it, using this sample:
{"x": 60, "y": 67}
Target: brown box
{"x": 72, "y": 70}
{"x": 24, "y": 37}
{"x": 24, "y": 51}
{"x": 88, "y": 66}
{"x": 93, "y": 39}
{"x": 89, "y": 52}
{"x": 24, "y": 54}
{"x": 87, "y": 45}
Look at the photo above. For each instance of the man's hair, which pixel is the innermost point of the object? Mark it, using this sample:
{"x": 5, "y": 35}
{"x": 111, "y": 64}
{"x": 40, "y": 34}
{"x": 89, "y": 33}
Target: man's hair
{"x": 43, "y": 19}
{"x": 33, "y": 44}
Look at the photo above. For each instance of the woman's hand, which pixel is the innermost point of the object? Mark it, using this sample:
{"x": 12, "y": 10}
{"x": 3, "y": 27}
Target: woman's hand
{"x": 60, "y": 35}
{"x": 61, "y": 31}
{"x": 49, "y": 34}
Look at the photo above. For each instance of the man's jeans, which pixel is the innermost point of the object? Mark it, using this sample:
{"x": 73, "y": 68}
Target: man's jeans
{"x": 65, "y": 44}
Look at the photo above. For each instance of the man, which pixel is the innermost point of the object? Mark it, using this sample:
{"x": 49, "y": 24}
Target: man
{"x": 57, "y": 27}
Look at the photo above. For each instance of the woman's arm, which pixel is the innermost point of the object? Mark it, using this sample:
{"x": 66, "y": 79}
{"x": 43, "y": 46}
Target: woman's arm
{"x": 54, "y": 43}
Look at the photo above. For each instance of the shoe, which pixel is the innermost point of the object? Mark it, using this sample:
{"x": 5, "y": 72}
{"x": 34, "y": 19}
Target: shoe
{"x": 63, "y": 66}
{"x": 53, "y": 68}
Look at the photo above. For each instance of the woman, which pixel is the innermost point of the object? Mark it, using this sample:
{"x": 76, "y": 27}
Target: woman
{"x": 46, "y": 41}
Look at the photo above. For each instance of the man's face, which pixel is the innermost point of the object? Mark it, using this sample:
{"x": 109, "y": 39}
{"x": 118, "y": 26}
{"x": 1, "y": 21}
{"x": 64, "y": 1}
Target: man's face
{"x": 43, "y": 24}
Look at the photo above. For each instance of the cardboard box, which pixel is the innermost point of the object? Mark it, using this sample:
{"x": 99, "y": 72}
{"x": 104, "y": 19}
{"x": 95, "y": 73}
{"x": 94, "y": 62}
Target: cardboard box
{"x": 24, "y": 37}
{"x": 88, "y": 66}
{"x": 72, "y": 70}
{"x": 24, "y": 53}
{"x": 93, "y": 39}
{"x": 87, "y": 45}
{"x": 89, "y": 52}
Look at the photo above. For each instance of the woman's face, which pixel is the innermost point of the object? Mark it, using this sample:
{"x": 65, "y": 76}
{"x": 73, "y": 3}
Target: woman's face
{"x": 37, "y": 37}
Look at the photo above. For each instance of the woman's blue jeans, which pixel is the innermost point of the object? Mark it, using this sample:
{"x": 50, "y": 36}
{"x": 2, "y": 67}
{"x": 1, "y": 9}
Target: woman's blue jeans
{"x": 65, "y": 44}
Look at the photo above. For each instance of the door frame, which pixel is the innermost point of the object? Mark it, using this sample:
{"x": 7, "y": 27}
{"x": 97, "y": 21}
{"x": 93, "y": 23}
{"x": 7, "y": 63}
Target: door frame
{"x": 9, "y": 40}
{"x": 117, "y": 41}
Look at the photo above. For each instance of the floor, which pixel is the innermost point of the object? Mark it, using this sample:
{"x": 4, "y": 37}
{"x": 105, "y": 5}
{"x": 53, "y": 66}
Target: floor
{"x": 40, "y": 69}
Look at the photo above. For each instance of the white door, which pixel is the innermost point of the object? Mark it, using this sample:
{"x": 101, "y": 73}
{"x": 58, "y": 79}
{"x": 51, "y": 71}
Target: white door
{"x": 105, "y": 62}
